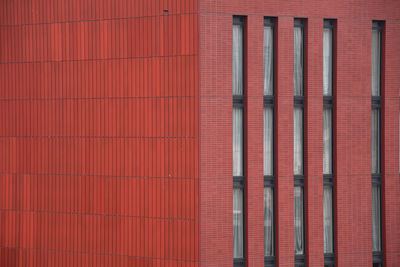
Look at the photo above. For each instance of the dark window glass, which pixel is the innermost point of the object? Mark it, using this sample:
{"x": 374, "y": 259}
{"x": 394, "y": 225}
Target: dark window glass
{"x": 237, "y": 126}
{"x": 376, "y": 126}
{"x": 238, "y": 137}
{"x": 268, "y": 141}
{"x": 298, "y": 61}
{"x": 328, "y": 123}
{"x": 268, "y": 221}
{"x": 298, "y": 220}
{"x": 376, "y": 218}
{"x": 375, "y": 141}
{"x": 298, "y": 141}
{"x": 376, "y": 61}
{"x": 328, "y": 61}
{"x": 238, "y": 223}
{"x": 328, "y": 220}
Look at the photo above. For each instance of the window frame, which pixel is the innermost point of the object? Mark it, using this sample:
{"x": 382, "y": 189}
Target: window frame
{"x": 329, "y": 103}
{"x": 269, "y": 101}
{"x": 376, "y": 103}
{"x": 239, "y": 102}
{"x": 299, "y": 101}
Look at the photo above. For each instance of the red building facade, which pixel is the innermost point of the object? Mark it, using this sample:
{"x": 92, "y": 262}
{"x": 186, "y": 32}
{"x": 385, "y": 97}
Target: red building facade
{"x": 116, "y": 137}
{"x": 99, "y": 144}
{"x": 352, "y": 130}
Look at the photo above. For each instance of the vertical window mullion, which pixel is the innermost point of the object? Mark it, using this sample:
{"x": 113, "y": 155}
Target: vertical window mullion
{"x": 268, "y": 140}
{"x": 238, "y": 93}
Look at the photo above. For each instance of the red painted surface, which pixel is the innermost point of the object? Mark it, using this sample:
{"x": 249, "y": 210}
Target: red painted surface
{"x": 116, "y": 137}
{"x": 99, "y": 133}
{"x": 353, "y": 234}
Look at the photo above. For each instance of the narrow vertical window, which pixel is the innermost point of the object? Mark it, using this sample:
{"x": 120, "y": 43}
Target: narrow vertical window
{"x": 269, "y": 181}
{"x": 376, "y": 169}
{"x": 375, "y": 141}
{"x": 298, "y": 220}
{"x": 237, "y": 223}
{"x": 376, "y": 222}
{"x": 328, "y": 34}
{"x": 328, "y": 220}
{"x": 238, "y": 139}
{"x": 298, "y": 140}
{"x": 298, "y": 135}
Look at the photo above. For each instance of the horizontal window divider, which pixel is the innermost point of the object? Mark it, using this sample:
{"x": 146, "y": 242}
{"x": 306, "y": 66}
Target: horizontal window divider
{"x": 376, "y": 180}
{"x": 266, "y": 104}
{"x": 239, "y": 262}
{"x": 328, "y": 100}
{"x": 376, "y": 102}
{"x": 269, "y": 177}
{"x": 377, "y": 257}
{"x": 269, "y": 100}
{"x": 238, "y": 186}
{"x": 238, "y": 99}
{"x": 329, "y": 259}
{"x": 376, "y": 175}
{"x": 328, "y": 180}
{"x": 376, "y": 105}
{"x": 299, "y": 260}
{"x": 376, "y": 99}
{"x": 299, "y": 180}
{"x": 238, "y": 104}
{"x": 269, "y": 261}
{"x": 238, "y": 181}
{"x": 269, "y": 183}
{"x": 299, "y": 99}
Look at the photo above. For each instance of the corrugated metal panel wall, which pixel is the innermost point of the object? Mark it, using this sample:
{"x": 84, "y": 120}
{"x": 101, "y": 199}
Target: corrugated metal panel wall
{"x": 99, "y": 133}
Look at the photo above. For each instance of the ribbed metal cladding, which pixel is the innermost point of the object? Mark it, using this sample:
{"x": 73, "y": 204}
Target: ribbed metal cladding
{"x": 99, "y": 136}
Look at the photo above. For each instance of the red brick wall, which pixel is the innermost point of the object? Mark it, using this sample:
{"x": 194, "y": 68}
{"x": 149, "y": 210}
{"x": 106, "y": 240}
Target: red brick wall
{"x": 99, "y": 133}
{"x": 353, "y": 233}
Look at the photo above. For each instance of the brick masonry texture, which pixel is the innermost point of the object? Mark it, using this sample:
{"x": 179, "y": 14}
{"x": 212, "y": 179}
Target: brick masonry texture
{"x": 352, "y": 196}
{"x": 99, "y": 133}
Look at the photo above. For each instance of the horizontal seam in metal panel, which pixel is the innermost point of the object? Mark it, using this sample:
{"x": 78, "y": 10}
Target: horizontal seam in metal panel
{"x": 96, "y": 214}
{"x": 94, "y": 98}
{"x": 95, "y": 20}
{"x": 99, "y": 176}
{"x": 97, "y": 254}
{"x": 95, "y": 59}
{"x": 106, "y": 137}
